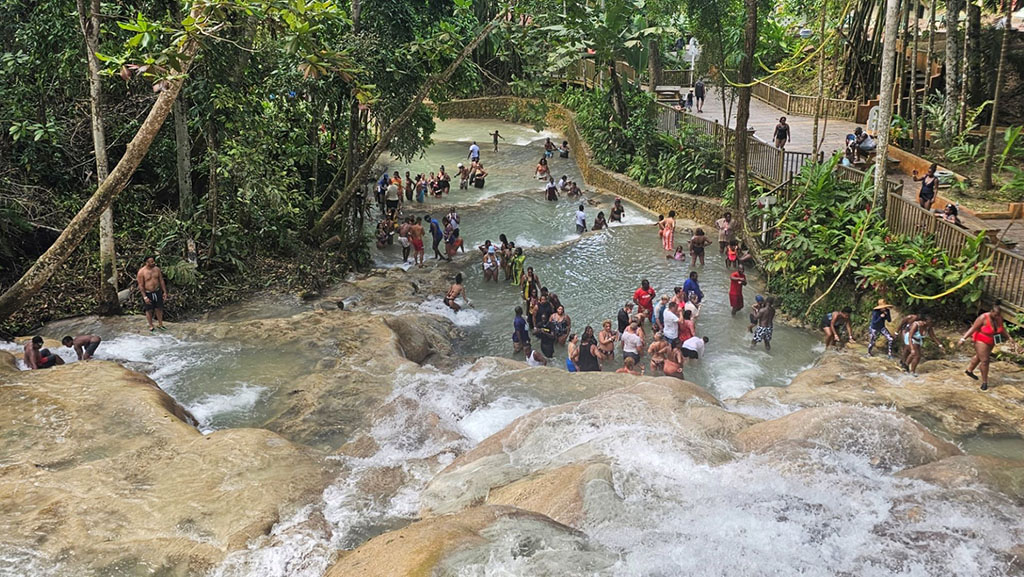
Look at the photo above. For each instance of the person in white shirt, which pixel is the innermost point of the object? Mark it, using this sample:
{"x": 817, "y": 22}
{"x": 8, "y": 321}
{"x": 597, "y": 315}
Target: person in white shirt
{"x": 581, "y": 221}
{"x": 670, "y": 330}
{"x": 632, "y": 343}
{"x": 474, "y": 152}
{"x": 533, "y": 358}
{"x": 693, "y": 306}
{"x": 693, "y": 347}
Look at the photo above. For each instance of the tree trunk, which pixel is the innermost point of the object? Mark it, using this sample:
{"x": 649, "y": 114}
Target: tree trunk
{"x": 353, "y": 180}
{"x": 88, "y": 17}
{"x": 901, "y": 61}
{"x": 892, "y": 22}
{"x": 922, "y": 129}
{"x": 79, "y": 226}
{"x": 990, "y": 143}
{"x": 183, "y": 153}
{"x": 746, "y": 77}
{"x": 973, "y": 78}
{"x": 654, "y": 64}
{"x": 965, "y": 70}
{"x": 212, "y": 189}
{"x": 815, "y": 143}
{"x": 615, "y": 93}
{"x": 950, "y": 113}
{"x": 913, "y": 73}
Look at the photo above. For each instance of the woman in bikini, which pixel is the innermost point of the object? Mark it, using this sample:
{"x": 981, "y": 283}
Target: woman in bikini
{"x": 987, "y": 331}
{"x": 658, "y": 350}
{"x": 697, "y": 244}
{"x": 914, "y": 339}
{"x": 606, "y": 340}
{"x": 453, "y": 293}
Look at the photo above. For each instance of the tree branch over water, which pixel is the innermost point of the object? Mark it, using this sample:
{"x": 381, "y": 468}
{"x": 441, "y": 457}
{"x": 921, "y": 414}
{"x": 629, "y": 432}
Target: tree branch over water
{"x": 364, "y": 169}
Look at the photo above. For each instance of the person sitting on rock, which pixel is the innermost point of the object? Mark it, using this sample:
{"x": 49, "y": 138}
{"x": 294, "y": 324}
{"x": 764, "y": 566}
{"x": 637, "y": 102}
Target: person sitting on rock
{"x": 37, "y": 357}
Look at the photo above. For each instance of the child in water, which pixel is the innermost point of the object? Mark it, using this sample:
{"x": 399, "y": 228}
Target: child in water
{"x": 678, "y": 254}
{"x": 732, "y": 254}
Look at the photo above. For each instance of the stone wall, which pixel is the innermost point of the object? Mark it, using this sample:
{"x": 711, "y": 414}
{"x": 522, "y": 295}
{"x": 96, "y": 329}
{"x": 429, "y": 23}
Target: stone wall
{"x": 701, "y": 209}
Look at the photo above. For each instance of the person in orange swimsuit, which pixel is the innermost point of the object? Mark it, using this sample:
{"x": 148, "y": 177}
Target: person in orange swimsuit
{"x": 987, "y": 331}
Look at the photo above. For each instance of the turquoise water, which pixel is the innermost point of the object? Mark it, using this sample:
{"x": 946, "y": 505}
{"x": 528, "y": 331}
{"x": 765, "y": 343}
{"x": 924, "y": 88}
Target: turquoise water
{"x": 594, "y": 274}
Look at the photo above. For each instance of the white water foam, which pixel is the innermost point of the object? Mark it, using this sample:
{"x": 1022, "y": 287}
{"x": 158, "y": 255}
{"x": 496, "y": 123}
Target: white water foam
{"x": 732, "y": 374}
{"x": 242, "y": 399}
{"x": 467, "y": 317}
{"x": 429, "y": 418}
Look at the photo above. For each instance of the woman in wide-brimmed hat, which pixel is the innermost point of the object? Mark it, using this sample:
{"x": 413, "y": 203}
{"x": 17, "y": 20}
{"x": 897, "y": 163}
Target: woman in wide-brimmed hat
{"x": 879, "y": 316}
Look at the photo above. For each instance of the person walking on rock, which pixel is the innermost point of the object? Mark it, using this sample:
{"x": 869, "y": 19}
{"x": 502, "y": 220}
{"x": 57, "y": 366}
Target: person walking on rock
{"x": 987, "y": 332}
{"x": 879, "y": 316}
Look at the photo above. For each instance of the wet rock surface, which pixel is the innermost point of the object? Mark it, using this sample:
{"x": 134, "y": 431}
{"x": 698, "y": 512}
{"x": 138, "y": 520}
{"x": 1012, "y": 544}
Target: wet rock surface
{"x": 100, "y": 466}
{"x": 942, "y": 393}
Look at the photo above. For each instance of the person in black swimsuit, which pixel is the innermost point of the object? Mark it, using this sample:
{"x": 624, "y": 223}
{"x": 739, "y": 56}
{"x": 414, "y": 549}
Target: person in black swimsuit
{"x": 926, "y": 197}
{"x": 589, "y": 355}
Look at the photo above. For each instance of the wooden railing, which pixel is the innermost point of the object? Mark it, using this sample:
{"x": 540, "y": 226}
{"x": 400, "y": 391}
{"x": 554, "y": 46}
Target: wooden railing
{"x": 800, "y": 105}
{"x": 903, "y": 216}
{"x": 850, "y": 174}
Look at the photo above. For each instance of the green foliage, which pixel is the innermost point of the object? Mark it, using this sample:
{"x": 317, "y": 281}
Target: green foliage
{"x": 1012, "y": 148}
{"x": 964, "y": 153}
{"x": 832, "y": 221}
{"x": 1015, "y": 185}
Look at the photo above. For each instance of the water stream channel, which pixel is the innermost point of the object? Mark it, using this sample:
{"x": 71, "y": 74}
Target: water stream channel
{"x": 680, "y": 515}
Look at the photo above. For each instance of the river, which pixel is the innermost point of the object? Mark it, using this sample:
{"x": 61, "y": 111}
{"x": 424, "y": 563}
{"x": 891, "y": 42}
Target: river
{"x": 680, "y": 513}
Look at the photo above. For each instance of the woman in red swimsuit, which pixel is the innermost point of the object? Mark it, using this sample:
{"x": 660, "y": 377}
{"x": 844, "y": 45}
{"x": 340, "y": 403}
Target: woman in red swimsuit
{"x": 987, "y": 331}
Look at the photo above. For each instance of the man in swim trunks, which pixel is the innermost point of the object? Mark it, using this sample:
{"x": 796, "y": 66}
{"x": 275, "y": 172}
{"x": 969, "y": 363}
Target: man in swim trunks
{"x": 496, "y": 136}
{"x": 724, "y": 226}
{"x": 38, "y": 358}
{"x": 85, "y": 345}
{"x": 437, "y": 233}
{"x": 416, "y": 240}
{"x": 154, "y": 291}
{"x": 403, "y": 238}
{"x": 474, "y": 152}
{"x": 453, "y": 293}
{"x": 765, "y": 323}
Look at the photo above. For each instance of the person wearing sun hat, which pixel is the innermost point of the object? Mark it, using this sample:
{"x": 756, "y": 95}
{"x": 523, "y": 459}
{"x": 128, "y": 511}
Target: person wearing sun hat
{"x": 879, "y": 316}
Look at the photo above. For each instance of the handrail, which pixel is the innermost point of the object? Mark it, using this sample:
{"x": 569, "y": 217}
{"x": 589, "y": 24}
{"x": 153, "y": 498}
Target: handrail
{"x": 800, "y": 105}
{"x": 903, "y": 216}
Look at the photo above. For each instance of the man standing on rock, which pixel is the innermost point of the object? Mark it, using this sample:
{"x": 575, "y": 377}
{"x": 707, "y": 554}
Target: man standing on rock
{"x": 154, "y": 292}
{"x": 765, "y": 323}
{"x": 85, "y": 345}
{"x": 496, "y": 136}
{"x": 40, "y": 359}
{"x": 416, "y": 240}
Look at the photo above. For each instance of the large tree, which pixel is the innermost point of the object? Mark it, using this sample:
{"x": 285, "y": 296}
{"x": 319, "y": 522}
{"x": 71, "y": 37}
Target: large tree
{"x": 745, "y": 80}
{"x": 89, "y": 20}
{"x": 892, "y": 23}
{"x": 990, "y": 143}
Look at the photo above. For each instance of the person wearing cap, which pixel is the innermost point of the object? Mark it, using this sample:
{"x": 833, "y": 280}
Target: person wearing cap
{"x": 491, "y": 264}
{"x": 765, "y": 324}
{"x": 879, "y": 316}
{"x": 831, "y": 323}
{"x": 758, "y": 303}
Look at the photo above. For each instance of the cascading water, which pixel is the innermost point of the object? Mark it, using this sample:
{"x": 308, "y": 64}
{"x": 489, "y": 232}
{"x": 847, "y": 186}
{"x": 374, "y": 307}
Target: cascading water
{"x": 683, "y": 504}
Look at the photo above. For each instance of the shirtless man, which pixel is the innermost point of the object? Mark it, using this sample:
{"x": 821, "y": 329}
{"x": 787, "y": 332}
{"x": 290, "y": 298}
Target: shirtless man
{"x": 673, "y": 364}
{"x": 154, "y": 292}
{"x": 765, "y": 317}
{"x": 416, "y": 240}
{"x": 84, "y": 345}
{"x": 454, "y": 292}
{"x": 40, "y": 359}
{"x": 403, "y": 238}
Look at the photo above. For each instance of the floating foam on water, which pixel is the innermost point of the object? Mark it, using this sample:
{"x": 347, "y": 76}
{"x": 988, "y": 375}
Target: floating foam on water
{"x": 733, "y": 374}
{"x": 240, "y": 400}
{"x": 466, "y": 317}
